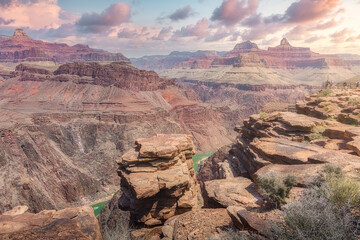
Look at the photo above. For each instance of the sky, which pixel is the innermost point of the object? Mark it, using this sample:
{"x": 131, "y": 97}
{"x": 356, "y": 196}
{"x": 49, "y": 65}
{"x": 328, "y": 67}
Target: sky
{"x": 154, "y": 27}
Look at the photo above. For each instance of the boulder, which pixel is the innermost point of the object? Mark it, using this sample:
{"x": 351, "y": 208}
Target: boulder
{"x": 69, "y": 223}
{"x": 232, "y": 211}
{"x": 354, "y": 145}
{"x": 200, "y": 224}
{"x": 237, "y": 191}
{"x": 304, "y": 173}
{"x": 283, "y": 151}
{"x": 253, "y": 222}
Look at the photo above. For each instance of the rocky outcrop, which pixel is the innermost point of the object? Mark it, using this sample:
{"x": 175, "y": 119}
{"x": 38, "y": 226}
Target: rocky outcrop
{"x": 70, "y": 223}
{"x": 20, "y": 48}
{"x": 200, "y": 224}
{"x": 340, "y": 105}
{"x": 279, "y": 144}
{"x": 118, "y": 74}
{"x": 158, "y": 179}
{"x": 227, "y": 192}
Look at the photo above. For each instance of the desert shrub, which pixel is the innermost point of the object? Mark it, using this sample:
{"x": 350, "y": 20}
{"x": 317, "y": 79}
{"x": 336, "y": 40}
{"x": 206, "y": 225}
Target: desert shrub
{"x": 354, "y": 101}
{"x": 323, "y": 212}
{"x": 314, "y": 218}
{"x": 315, "y": 136}
{"x": 122, "y": 231}
{"x": 324, "y": 93}
{"x": 236, "y": 235}
{"x": 318, "y": 129}
{"x": 339, "y": 190}
{"x": 262, "y": 115}
{"x": 274, "y": 189}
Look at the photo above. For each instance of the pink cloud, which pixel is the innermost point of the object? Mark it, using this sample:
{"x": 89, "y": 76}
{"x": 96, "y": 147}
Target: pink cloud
{"x": 114, "y": 15}
{"x": 341, "y": 36}
{"x": 309, "y": 10}
{"x": 232, "y": 11}
{"x": 163, "y": 33}
{"x": 200, "y": 30}
{"x": 34, "y": 14}
{"x": 326, "y": 25}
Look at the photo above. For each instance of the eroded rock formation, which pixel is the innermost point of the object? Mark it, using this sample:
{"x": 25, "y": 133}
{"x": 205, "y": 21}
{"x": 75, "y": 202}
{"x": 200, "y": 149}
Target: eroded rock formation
{"x": 72, "y": 223}
{"x": 20, "y": 47}
{"x": 282, "y": 144}
{"x": 158, "y": 179}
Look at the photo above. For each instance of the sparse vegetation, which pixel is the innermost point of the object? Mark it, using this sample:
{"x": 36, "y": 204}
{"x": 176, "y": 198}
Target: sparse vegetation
{"x": 330, "y": 119}
{"x": 316, "y": 133}
{"x": 324, "y": 212}
{"x": 235, "y": 235}
{"x": 122, "y": 231}
{"x": 315, "y": 136}
{"x": 262, "y": 115}
{"x": 274, "y": 189}
{"x": 354, "y": 101}
{"x": 318, "y": 129}
{"x": 324, "y": 93}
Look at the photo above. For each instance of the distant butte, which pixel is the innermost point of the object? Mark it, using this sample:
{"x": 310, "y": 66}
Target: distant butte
{"x": 247, "y": 54}
{"x": 20, "y": 48}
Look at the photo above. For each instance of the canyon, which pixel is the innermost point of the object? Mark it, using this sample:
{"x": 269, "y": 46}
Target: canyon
{"x": 63, "y": 127}
{"x": 78, "y": 125}
{"x": 248, "y": 64}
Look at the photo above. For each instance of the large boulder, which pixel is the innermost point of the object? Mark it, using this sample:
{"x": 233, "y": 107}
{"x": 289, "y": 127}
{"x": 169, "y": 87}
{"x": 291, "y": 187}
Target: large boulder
{"x": 199, "y": 224}
{"x": 304, "y": 173}
{"x": 158, "y": 179}
{"x": 70, "y": 223}
{"x": 238, "y": 191}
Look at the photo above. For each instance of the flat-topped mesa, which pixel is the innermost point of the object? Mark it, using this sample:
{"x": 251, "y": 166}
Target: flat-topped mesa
{"x": 119, "y": 74}
{"x": 20, "y": 48}
{"x": 20, "y": 33}
{"x": 158, "y": 179}
{"x": 248, "y": 45}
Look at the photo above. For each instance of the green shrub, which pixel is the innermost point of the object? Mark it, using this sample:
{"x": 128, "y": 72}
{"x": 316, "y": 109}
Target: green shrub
{"x": 262, "y": 115}
{"x": 337, "y": 188}
{"x": 354, "y": 101}
{"x": 314, "y": 218}
{"x": 274, "y": 189}
{"x": 324, "y": 93}
{"x": 323, "y": 212}
{"x": 318, "y": 129}
{"x": 236, "y": 235}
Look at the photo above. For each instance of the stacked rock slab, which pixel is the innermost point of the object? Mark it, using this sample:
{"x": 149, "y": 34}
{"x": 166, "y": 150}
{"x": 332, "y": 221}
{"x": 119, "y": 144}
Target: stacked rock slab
{"x": 70, "y": 223}
{"x": 158, "y": 179}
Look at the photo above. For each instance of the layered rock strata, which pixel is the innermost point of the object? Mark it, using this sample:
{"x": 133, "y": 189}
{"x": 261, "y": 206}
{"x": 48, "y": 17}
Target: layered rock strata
{"x": 158, "y": 179}
{"x": 20, "y": 48}
{"x": 281, "y": 144}
{"x": 61, "y": 133}
{"x": 71, "y": 223}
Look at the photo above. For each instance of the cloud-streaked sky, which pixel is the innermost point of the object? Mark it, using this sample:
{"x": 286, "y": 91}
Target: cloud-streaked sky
{"x": 144, "y": 27}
